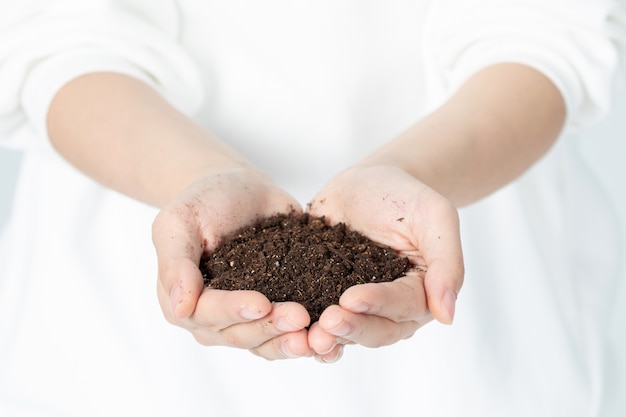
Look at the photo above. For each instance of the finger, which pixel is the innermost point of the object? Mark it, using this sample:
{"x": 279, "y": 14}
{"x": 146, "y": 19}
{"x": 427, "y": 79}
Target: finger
{"x": 331, "y": 357}
{"x": 442, "y": 288}
{"x": 288, "y": 346}
{"x": 236, "y": 331}
{"x": 283, "y": 318}
{"x": 219, "y": 309}
{"x": 320, "y": 341}
{"x": 363, "y": 329}
{"x": 401, "y": 300}
{"x": 326, "y": 345}
{"x": 178, "y": 249}
{"x": 440, "y": 246}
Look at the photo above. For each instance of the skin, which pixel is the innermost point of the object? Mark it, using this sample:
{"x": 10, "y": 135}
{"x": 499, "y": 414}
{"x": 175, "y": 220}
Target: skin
{"x": 475, "y": 143}
{"x": 124, "y": 135}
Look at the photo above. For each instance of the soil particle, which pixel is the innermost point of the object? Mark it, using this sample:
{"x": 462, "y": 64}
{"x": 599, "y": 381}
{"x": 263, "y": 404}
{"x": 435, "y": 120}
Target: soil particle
{"x": 300, "y": 258}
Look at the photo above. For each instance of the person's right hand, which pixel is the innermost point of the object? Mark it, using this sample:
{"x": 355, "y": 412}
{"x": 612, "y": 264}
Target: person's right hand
{"x": 195, "y": 222}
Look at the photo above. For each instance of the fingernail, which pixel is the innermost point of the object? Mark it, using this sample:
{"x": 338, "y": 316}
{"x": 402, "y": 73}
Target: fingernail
{"x": 359, "y": 307}
{"x": 339, "y": 353}
{"x": 341, "y": 329}
{"x": 330, "y": 359}
{"x": 285, "y": 325}
{"x": 327, "y": 351}
{"x": 250, "y": 314}
{"x": 286, "y": 350}
{"x": 448, "y": 302}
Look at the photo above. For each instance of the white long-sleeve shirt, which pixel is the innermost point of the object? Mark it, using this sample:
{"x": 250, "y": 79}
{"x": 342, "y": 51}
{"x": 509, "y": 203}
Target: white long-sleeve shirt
{"x": 304, "y": 89}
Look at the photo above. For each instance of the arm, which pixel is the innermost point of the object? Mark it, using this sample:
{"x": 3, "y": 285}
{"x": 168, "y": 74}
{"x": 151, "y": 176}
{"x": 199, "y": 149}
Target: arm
{"x": 123, "y": 134}
{"x": 501, "y": 121}
{"x": 404, "y": 195}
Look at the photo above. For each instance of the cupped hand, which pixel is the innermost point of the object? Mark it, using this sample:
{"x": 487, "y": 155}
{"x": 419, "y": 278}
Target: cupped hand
{"x": 395, "y": 209}
{"x": 210, "y": 209}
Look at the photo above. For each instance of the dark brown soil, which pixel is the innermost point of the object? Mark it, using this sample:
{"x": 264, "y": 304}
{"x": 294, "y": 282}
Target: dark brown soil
{"x": 300, "y": 258}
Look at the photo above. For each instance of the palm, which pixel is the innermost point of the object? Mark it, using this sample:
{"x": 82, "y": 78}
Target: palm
{"x": 205, "y": 213}
{"x": 393, "y": 209}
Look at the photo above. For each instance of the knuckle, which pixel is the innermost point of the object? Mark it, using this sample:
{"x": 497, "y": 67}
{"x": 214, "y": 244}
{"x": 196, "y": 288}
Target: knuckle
{"x": 233, "y": 339}
{"x": 211, "y": 327}
{"x": 405, "y": 314}
{"x": 268, "y": 327}
{"x": 409, "y": 329}
{"x": 203, "y": 338}
{"x": 384, "y": 340}
{"x": 260, "y": 354}
{"x": 409, "y": 308}
{"x": 269, "y": 350}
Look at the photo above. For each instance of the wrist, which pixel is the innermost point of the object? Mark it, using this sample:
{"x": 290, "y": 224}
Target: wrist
{"x": 432, "y": 151}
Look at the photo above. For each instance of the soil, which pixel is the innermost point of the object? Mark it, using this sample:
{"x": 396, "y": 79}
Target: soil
{"x": 300, "y": 258}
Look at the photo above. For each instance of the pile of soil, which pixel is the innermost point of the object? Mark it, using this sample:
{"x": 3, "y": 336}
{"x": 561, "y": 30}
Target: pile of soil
{"x": 300, "y": 258}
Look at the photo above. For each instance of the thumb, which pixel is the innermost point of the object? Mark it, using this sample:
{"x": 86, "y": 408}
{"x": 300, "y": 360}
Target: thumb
{"x": 441, "y": 249}
{"x": 443, "y": 283}
{"x": 178, "y": 248}
{"x": 184, "y": 284}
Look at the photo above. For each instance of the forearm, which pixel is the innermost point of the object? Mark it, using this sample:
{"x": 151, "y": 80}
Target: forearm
{"x": 501, "y": 121}
{"x": 123, "y": 134}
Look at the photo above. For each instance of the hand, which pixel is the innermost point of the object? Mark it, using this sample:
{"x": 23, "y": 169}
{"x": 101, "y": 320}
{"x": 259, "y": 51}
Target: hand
{"x": 213, "y": 207}
{"x": 395, "y": 209}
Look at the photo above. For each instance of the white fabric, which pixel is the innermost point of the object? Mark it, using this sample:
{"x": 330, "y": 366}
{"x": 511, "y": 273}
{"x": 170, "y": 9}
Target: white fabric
{"x": 303, "y": 89}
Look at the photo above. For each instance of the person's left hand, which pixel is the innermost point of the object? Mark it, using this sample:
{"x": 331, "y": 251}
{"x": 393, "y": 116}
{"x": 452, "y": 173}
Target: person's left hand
{"x": 394, "y": 209}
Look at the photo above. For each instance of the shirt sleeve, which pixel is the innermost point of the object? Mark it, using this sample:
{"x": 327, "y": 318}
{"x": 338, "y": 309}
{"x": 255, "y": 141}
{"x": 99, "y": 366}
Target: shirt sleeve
{"x": 577, "y": 44}
{"x": 46, "y": 43}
